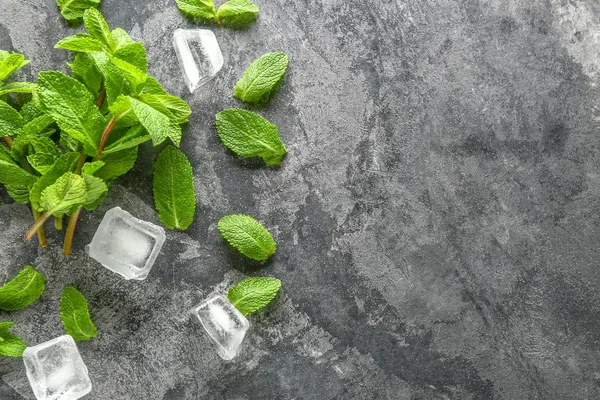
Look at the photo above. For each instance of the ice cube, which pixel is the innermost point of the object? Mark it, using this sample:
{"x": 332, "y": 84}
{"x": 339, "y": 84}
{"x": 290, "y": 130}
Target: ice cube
{"x": 56, "y": 371}
{"x": 199, "y": 56}
{"x": 224, "y": 324}
{"x": 126, "y": 245}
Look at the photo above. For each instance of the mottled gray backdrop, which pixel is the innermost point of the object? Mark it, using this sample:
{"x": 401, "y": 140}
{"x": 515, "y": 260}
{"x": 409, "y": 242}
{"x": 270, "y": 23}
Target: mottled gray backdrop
{"x": 437, "y": 217}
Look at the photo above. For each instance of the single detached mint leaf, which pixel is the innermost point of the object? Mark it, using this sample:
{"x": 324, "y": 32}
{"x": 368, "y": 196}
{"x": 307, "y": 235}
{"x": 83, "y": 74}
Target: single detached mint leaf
{"x": 64, "y": 164}
{"x": 72, "y": 10}
{"x": 80, "y": 42}
{"x": 17, "y": 87}
{"x": 96, "y": 25}
{"x": 75, "y": 315}
{"x": 10, "y": 63}
{"x": 252, "y": 294}
{"x": 10, "y": 345}
{"x": 68, "y": 192}
{"x": 22, "y": 290}
{"x": 200, "y": 9}
{"x": 261, "y": 79}
{"x": 173, "y": 188}
{"x": 72, "y": 106}
{"x": 237, "y": 13}
{"x": 248, "y": 236}
{"x": 248, "y": 134}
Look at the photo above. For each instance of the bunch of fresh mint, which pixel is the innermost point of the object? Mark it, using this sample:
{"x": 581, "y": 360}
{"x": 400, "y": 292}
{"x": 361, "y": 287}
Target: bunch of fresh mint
{"x": 233, "y": 13}
{"x": 75, "y": 135}
{"x": 26, "y": 288}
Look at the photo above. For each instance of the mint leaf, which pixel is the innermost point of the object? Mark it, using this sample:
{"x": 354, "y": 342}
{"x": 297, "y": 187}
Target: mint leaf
{"x": 18, "y": 193}
{"x": 11, "y": 173}
{"x": 90, "y": 168}
{"x": 134, "y": 54}
{"x": 73, "y": 108}
{"x": 10, "y": 345}
{"x": 261, "y": 79}
{"x": 248, "y": 135}
{"x": 177, "y": 109}
{"x": 252, "y": 294}
{"x": 96, "y": 25}
{"x": 11, "y": 121}
{"x": 158, "y": 125}
{"x": 173, "y": 188}
{"x": 237, "y": 13}
{"x": 136, "y": 77}
{"x": 29, "y": 111}
{"x": 17, "y": 87}
{"x": 248, "y": 236}
{"x": 117, "y": 164}
{"x": 30, "y": 131}
{"x": 64, "y": 164}
{"x": 66, "y": 194}
{"x": 22, "y": 290}
{"x": 73, "y": 10}
{"x": 10, "y": 63}
{"x": 200, "y": 9}
{"x": 46, "y": 153}
{"x": 132, "y": 138}
{"x": 114, "y": 81}
{"x": 80, "y": 42}
{"x": 85, "y": 71}
{"x": 96, "y": 191}
{"x": 75, "y": 315}
{"x": 120, "y": 39}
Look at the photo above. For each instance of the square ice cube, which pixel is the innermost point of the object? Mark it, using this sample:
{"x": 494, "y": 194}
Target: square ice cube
{"x": 126, "y": 245}
{"x": 56, "y": 371}
{"x": 199, "y": 55}
{"x": 225, "y": 325}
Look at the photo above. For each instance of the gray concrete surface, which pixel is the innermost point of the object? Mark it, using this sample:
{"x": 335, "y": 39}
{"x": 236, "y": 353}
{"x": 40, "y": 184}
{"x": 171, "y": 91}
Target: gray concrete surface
{"x": 437, "y": 216}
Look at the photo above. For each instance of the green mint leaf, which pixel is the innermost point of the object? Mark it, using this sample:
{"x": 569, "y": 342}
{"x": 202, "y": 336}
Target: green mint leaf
{"x": 96, "y": 25}
{"x": 73, "y": 108}
{"x": 177, "y": 109}
{"x": 80, "y": 42}
{"x": 75, "y": 315}
{"x": 173, "y": 188}
{"x": 134, "y": 54}
{"x": 237, "y": 13}
{"x": 136, "y": 77}
{"x": 67, "y": 193}
{"x": 248, "y": 236}
{"x": 199, "y": 9}
{"x": 160, "y": 126}
{"x": 96, "y": 191}
{"x": 134, "y": 136}
{"x": 68, "y": 143}
{"x": 117, "y": 164}
{"x": 11, "y": 121}
{"x": 10, "y": 345}
{"x": 114, "y": 80}
{"x": 261, "y": 79}
{"x": 85, "y": 71}
{"x": 11, "y": 173}
{"x": 64, "y": 164}
{"x": 10, "y": 63}
{"x": 73, "y": 10}
{"x": 19, "y": 193}
{"x": 248, "y": 134}
{"x": 17, "y": 87}
{"x": 253, "y": 294}
{"x": 29, "y": 111}
{"x": 152, "y": 86}
{"x": 31, "y": 130}
{"x": 90, "y": 168}
{"x": 46, "y": 153}
{"x": 22, "y": 290}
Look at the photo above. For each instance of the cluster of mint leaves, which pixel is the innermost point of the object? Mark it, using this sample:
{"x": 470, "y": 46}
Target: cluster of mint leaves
{"x": 76, "y": 134}
{"x": 23, "y": 290}
{"x": 236, "y": 14}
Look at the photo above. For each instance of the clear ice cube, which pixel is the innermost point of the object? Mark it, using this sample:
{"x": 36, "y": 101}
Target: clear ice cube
{"x": 223, "y": 323}
{"x": 199, "y": 56}
{"x": 126, "y": 245}
{"x": 56, "y": 371}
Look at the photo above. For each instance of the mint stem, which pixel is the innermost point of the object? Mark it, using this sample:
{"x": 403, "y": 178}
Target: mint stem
{"x": 80, "y": 163}
{"x": 104, "y": 138}
{"x": 40, "y": 232}
{"x": 39, "y": 223}
{"x": 8, "y": 141}
{"x": 70, "y": 232}
{"x": 58, "y": 223}
{"x": 101, "y": 97}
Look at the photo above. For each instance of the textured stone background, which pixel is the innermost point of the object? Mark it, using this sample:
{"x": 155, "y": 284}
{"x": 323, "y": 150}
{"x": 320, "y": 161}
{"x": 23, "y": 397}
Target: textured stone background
{"x": 437, "y": 216}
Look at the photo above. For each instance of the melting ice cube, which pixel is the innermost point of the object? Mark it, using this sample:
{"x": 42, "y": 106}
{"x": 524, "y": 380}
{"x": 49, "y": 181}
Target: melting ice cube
{"x": 126, "y": 245}
{"x": 224, "y": 324}
{"x": 56, "y": 371}
{"x": 199, "y": 56}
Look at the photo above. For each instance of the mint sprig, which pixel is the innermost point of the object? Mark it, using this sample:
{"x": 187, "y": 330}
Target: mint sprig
{"x": 248, "y": 236}
{"x": 203, "y": 10}
{"x": 22, "y": 290}
{"x": 73, "y": 10}
{"x": 253, "y": 294}
{"x": 261, "y": 79}
{"x": 75, "y": 315}
{"x": 173, "y": 188}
